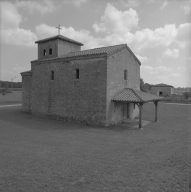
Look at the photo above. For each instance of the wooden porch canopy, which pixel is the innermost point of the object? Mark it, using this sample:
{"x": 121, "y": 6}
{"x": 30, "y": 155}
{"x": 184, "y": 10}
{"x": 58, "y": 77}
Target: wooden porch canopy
{"x": 138, "y": 97}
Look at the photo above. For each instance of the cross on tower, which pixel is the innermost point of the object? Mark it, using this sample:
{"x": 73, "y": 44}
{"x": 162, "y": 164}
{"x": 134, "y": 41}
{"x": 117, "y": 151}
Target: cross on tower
{"x": 59, "y": 28}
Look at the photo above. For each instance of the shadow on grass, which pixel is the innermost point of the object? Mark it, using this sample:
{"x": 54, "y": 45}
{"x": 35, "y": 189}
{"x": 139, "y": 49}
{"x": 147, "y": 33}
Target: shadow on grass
{"x": 44, "y": 123}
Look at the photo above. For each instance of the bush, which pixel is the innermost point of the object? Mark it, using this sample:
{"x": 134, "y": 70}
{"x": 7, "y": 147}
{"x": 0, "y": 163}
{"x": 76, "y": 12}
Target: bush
{"x": 186, "y": 95}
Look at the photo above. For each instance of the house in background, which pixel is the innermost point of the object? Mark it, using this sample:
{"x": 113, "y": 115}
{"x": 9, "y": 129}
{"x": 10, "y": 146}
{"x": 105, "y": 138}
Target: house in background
{"x": 95, "y": 86}
{"x": 161, "y": 89}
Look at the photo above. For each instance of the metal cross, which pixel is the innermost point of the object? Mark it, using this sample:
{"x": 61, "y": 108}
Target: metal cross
{"x": 59, "y": 29}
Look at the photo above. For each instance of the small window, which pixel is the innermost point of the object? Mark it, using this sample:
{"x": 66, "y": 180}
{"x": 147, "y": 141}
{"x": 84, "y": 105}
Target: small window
{"x": 44, "y": 52}
{"x": 52, "y": 75}
{"x": 125, "y": 74}
{"x": 50, "y": 51}
{"x": 77, "y": 73}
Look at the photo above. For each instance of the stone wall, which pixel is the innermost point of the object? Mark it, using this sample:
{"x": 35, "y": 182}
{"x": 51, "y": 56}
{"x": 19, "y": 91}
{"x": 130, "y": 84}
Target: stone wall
{"x": 87, "y": 99}
{"x": 82, "y": 99}
{"x": 166, "y": 91}
{"x": 116, "y": 64}
{"x": 26, "y": 92}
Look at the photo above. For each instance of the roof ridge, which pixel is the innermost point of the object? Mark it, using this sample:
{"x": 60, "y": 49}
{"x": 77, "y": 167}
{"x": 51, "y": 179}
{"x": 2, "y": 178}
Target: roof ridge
{"x": 95, "y": 49}
{"x": 98, "y": 48}
{"x": 136, "y": 94}
{"x": 59, "y": 37}
{"x": 161, "y": 85}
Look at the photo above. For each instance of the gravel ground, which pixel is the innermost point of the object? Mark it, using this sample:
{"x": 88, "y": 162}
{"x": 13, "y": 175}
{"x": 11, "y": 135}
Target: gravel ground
{"x": 38, "y": 154}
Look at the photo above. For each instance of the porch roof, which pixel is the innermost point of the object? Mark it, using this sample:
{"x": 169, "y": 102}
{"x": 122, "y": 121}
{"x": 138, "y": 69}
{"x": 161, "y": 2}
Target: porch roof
{"x": 135, "y": 96}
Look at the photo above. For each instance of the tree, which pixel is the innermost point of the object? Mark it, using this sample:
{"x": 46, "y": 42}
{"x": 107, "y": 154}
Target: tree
{"x": 186, "y": 95}
{"x": 4, "y": 92}
{"x": 142, "y": 84}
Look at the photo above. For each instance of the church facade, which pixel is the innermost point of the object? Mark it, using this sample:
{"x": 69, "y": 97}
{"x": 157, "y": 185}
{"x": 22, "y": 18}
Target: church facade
{"x": 74, "y": 85}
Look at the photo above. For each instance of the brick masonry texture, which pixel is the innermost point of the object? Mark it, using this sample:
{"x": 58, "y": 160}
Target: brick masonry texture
{"x": 26, "y": 92}
{"x": 87, "y": 99}
{"x": 82, "y": 99}
{"x": 116, "y": 64}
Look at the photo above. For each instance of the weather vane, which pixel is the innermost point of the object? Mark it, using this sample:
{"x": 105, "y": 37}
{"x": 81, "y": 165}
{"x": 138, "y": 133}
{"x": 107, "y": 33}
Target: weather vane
{"x": 59, "y": 28}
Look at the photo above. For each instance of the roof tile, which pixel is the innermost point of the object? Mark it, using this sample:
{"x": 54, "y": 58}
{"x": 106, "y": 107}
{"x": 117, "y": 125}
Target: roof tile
{"x": 101, "y": 50}
{"x": 131, "y": 95}
{"x": 60, "y": 37}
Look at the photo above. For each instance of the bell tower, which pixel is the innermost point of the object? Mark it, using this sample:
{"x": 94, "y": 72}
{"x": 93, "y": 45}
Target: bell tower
{"x": 56, "y": 46}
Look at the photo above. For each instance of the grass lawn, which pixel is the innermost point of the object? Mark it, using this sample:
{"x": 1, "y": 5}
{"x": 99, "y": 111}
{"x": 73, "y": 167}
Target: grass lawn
{"x": 42, "y": 155}
{"x": 10, "y": 98}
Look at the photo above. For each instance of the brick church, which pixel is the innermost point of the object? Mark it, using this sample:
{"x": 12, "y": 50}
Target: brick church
{"x": 95, "y": 86}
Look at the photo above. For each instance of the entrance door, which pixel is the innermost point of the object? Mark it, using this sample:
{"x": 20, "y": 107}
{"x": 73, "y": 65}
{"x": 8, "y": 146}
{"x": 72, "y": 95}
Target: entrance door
{"x": 126, "y": 110}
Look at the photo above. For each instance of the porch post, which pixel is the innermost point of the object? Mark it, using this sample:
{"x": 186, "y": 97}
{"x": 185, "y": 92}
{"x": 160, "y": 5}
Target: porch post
{"x": 140, "y": 115}
{"x": 156, "y": 103}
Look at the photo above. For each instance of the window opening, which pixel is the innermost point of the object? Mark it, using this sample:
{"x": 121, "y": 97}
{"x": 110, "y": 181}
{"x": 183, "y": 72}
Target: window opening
{"x": 52, "y": 75}
{"x": 50, "y": 51}
{"x": 44, "y": 52}
{"x": 77, "y": 73}
{"x": 125, "y": 74}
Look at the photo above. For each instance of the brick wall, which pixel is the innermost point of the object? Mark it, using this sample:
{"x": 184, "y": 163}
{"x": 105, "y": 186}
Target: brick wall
{"x": 87, "y": 99}
{"x": 26, "y": 92}
{"x": 82, "y": 99}
{"x": 116, "y": 64}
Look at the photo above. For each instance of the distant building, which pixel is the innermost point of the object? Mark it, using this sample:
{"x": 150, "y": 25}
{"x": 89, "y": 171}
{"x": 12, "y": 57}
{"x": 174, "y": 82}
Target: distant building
{"x": 95, "y": 86}
{"x": 161, "y": 89}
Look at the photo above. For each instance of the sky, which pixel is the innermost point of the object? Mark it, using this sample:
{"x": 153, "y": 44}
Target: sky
{"x": 157, "y": 31}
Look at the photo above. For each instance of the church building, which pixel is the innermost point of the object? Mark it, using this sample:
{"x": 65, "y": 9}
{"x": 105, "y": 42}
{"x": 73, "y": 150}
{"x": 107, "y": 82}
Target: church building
{"x": 94, "y": 86}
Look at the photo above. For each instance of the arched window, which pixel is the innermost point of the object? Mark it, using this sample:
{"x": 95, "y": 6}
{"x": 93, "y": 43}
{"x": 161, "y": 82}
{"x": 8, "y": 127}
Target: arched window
{"x": 50, "y": 51}
{"x": 125, "y": 74}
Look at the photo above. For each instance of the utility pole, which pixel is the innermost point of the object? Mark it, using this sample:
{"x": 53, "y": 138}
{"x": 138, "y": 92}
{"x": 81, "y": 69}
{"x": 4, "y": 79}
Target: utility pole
{"x": 12, "y": 80}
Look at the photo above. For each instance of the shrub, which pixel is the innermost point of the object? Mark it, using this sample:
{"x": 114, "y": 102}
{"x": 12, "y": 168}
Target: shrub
{"x": 186, "y": 95}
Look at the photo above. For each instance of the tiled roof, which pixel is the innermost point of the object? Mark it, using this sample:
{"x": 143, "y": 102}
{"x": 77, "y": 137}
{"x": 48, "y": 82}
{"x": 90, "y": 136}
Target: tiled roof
{"x": 131, "y": 95}
{"x": 101, "y": 50}
{"x": 59, "y": 37}
{"x": 161, "y": 85}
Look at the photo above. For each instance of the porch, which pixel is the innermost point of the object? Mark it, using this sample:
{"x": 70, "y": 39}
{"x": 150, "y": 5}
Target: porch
{"x": 139, "y": 98}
